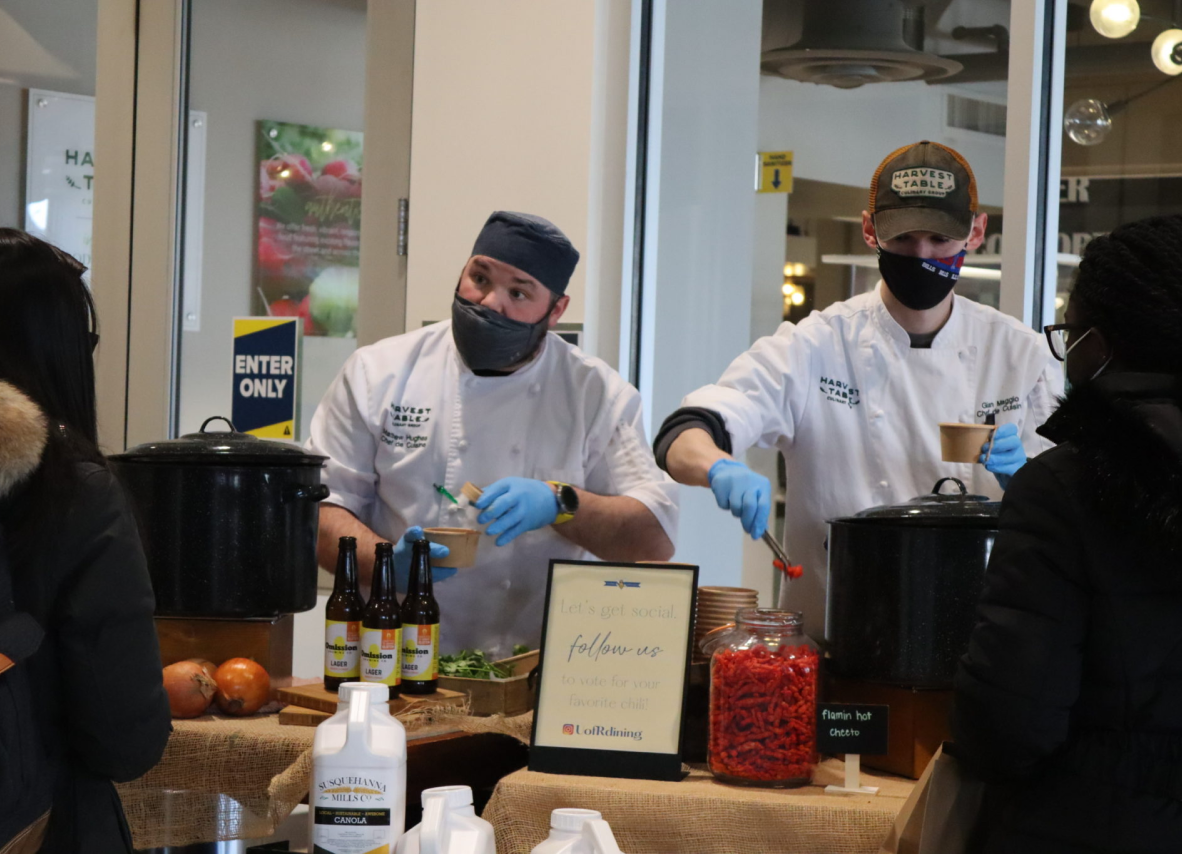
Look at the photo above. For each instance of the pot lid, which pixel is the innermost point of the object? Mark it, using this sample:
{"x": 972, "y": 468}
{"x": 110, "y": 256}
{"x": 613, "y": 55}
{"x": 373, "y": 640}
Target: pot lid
{"x": 220, "y": 448}
{"x": 936, "y": 508}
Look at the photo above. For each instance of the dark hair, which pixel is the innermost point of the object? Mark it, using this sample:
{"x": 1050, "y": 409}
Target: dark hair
{"x": 1129, "y": 286}
{"x": 47, "y": 333}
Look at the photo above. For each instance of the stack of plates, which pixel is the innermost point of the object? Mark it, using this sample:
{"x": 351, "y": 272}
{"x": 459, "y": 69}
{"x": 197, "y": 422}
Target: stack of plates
{"x": 716, "y": 607}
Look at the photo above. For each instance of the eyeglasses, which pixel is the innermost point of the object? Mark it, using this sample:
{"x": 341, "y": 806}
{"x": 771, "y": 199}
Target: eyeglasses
{"x": 1057, "y": 338}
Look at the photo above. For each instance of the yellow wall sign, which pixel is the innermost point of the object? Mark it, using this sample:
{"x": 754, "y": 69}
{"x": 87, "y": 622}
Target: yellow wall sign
{"x": 773, "y": 172}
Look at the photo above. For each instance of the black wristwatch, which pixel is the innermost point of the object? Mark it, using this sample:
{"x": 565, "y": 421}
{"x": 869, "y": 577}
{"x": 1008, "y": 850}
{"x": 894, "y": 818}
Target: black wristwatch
{"x": 568, "y": 501}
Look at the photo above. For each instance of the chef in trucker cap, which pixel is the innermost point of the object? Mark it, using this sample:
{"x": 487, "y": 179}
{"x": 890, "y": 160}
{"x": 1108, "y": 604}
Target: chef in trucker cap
{"x": 493, "y": 397}
{"x": 852, "y": 396}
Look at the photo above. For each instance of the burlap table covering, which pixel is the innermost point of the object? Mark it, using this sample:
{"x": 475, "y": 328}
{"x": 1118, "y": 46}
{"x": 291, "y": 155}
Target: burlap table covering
{"x": 701, "y": 816}
{"x": 225, "y": 778}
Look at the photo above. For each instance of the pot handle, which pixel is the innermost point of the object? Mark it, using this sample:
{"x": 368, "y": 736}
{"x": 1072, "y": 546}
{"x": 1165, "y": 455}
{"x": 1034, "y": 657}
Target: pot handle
{"x": 205, "y": 423}
{"x": 315, "y": 492}
{"x": 944, "y": 480}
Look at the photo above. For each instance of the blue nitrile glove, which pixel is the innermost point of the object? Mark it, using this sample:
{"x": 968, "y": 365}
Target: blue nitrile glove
{"x": 1008, "y": 454}
{"x": 515, "y": 505}
{"x": 743, "y": 492}
{"x": 402, "y": 554}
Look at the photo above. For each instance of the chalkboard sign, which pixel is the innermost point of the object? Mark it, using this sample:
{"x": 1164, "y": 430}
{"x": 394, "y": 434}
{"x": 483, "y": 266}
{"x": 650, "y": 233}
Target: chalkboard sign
{"x": 850, "y": 728}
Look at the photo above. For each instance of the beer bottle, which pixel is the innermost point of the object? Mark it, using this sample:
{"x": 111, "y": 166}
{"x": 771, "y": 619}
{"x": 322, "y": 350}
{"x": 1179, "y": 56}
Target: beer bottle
{"x": 381, "y": 630}
{"x": 420, "y": 626}
{"x": 342, "y": 620}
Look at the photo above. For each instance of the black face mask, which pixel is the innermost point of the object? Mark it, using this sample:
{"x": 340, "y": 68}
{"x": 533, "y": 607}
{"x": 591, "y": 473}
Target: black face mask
{"x": 489, "y": 341}
{"x": 919, "y": 283}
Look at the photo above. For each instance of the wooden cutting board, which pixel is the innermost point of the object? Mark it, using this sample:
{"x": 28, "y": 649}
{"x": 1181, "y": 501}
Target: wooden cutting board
{"x": 322, "y": 700}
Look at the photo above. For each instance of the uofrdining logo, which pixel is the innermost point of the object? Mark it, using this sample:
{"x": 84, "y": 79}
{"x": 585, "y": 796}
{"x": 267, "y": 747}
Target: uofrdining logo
{"x": 599, "y": 729}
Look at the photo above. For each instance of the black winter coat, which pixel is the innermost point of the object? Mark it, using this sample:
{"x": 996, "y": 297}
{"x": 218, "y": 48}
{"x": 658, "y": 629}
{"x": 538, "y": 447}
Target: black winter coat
{"x": 1069, "y": 700}
{"x": 96, "y": 679}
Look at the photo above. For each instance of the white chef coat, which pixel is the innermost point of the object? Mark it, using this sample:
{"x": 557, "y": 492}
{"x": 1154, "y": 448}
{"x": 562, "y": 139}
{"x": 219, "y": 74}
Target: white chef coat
{"x": 407, "y": 412}
{"x": 854, "y": 410}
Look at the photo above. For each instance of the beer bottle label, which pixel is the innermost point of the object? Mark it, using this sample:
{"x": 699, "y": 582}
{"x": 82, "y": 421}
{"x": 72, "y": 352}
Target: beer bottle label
{"x": 420, "y": 652}
{"x": 341, "y": 648}
{"x": 381, "y": 656}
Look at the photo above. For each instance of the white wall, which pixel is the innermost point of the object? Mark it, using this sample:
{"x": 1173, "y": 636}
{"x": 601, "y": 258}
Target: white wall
{"x": 292, "y": 60}
{"x": 518, "y": 105}
{"x": 697, "y": 300}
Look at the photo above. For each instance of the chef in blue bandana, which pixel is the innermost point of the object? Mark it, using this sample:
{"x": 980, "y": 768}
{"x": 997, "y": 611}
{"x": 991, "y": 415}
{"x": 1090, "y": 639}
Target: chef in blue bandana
{"x": 493, "y": 397}
{"x": 852, "y": 396}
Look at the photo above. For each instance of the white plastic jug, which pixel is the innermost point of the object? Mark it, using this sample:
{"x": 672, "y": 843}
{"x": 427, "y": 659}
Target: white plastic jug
{"x": 357, "y": 803}
{"x": 449, "y": 825}
{"x": 575, "y": 831}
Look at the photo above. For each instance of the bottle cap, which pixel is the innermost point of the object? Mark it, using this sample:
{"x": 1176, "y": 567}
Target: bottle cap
{"x": 454, "y": 797}
{"x": 378, "y": 694}
{"x": 572, "y": 820}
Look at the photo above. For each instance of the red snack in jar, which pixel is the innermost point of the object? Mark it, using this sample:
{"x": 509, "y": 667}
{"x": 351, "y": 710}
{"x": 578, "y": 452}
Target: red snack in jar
{"x": 763, "y": 702}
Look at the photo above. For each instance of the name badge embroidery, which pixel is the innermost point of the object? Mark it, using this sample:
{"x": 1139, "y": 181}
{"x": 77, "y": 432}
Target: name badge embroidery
{"x": 400, "y": 424}
{"x": 991, "y": 407}
{"x": 836, "y": 391}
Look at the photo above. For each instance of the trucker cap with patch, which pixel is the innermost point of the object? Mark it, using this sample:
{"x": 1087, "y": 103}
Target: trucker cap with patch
{"x": 923, "y": 187}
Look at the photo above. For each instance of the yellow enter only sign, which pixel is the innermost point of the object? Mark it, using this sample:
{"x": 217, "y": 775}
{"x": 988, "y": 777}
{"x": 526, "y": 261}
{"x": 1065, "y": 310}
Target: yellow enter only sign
{"x": 773, "y": 172}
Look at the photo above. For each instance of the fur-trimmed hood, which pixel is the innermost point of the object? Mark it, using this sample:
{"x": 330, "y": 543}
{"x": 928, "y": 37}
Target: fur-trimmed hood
{"x": 24, "y": 431}
{"x": 1127, "y": 430}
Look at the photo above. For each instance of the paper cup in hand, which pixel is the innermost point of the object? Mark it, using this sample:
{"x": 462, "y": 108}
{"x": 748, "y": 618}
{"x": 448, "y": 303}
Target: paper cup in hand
{"x": 962, "y": 443}
{"x": 461, "y": 545}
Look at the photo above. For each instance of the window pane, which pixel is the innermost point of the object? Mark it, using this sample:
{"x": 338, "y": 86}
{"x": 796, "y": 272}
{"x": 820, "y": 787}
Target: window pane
{"x": 1121, "y": 157}
{"x": 273, "y": 200}
{"x": 47, "y": 169}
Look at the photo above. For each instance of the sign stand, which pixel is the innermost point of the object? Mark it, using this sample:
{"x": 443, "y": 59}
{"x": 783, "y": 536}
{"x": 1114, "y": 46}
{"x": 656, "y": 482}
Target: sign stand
{"x": 853, "y": 779}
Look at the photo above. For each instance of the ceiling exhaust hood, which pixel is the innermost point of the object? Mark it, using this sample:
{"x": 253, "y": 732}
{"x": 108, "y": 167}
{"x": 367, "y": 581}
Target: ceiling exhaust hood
{"x": 849, "y": 43}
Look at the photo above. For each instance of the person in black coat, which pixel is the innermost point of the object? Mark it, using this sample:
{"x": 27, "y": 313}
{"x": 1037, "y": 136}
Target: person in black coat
{"x": 72, "y": 550}
{"x": 1069, "y": 699}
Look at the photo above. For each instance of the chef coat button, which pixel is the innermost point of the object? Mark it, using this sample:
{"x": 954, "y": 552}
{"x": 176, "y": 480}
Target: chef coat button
{"x": 883, "y": 484}
{"x": 878, "y": 413}
{"x": 462, "y": 444}
{"x": 506, "y": 584}
{"x": 515, "y": 450}
{"x": 535, "y": 388}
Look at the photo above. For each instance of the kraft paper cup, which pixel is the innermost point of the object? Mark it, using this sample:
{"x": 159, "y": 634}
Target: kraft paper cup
{"x": 461, "y": 545}
{"x": 961, "y": 443}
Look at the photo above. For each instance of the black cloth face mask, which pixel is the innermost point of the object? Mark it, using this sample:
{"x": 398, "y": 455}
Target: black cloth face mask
{"x": 489, "y": 341}
{"x": 919, "y": 283}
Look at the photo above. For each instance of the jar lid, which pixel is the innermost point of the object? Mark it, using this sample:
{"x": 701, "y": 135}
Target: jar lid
{"x": 220, "y": 448}
{"x": 958, "y": 509}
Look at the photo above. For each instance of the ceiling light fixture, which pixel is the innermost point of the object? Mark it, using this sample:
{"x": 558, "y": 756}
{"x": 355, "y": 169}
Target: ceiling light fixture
{"x": 1167, "y": 52}
{"x": 1089, "y": 121}
{"x": 1115, "y": 19}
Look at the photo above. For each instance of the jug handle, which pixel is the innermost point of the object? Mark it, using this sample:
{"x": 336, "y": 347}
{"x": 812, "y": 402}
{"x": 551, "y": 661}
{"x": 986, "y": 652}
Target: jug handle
{"x": 432, "y": 830}
{"x": 599, "y": 833}
{"x": 358, "y": 724}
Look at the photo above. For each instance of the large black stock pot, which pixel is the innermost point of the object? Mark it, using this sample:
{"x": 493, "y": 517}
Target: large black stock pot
{"x": 228, "y": 522}
{"x": 904, "y": 581}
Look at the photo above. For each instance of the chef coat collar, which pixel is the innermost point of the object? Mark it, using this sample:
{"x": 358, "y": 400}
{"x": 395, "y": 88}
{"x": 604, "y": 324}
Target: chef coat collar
{"x": 947, "y": 337}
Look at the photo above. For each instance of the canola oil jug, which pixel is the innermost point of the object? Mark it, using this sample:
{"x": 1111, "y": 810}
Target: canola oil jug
{"x": 574, "y": 831}
{"x": 357, "y": 803}
{"x": 449, "y": 825}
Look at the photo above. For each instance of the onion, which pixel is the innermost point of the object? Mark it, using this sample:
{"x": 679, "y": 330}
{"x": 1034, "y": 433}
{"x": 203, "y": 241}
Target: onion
{"x": 208, "y": 666}
{"x": 189, "y": 689}
{"x": 243, "y": 686}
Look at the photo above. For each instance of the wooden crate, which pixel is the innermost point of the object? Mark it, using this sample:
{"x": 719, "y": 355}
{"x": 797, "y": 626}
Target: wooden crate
{"x": 512, "y": 696}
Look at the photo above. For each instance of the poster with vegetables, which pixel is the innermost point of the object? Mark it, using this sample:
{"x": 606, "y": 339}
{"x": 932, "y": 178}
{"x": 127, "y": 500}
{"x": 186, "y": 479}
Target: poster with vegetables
{"x": 307, "y": 250}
